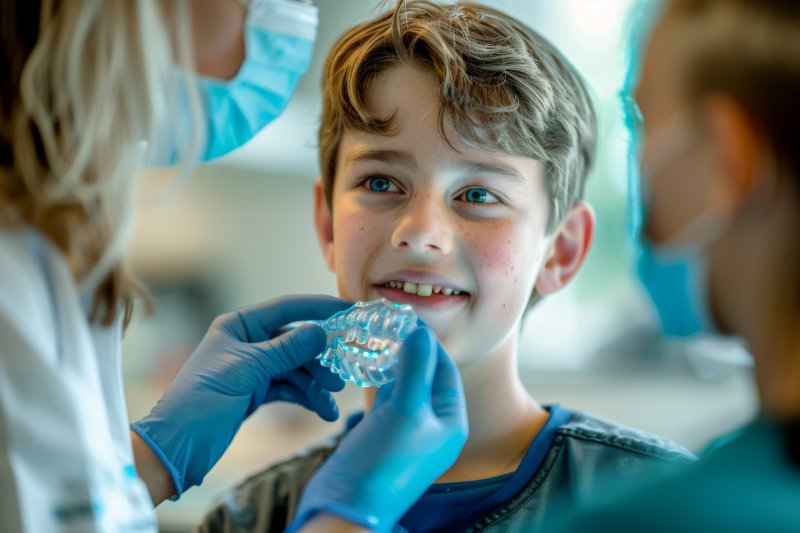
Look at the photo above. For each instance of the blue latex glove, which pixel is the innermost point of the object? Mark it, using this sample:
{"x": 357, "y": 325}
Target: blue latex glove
{"x": 234, "y": 370}
{"x": 411, "y": 436}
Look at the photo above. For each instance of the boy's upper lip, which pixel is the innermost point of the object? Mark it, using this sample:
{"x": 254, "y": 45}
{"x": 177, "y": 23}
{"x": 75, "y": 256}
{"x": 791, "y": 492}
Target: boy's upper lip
{"x": 420, "y": 276}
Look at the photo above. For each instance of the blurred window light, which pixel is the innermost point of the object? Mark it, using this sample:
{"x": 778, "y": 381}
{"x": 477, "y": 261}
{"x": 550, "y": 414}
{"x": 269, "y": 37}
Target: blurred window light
{"x": 598, "y": 19}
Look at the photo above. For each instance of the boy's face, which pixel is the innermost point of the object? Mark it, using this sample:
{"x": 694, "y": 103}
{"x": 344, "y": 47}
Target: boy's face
{"x": 459, "y": 235}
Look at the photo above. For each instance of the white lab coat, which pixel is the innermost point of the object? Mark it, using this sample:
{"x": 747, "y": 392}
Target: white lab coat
{"x": 65, "y": 454}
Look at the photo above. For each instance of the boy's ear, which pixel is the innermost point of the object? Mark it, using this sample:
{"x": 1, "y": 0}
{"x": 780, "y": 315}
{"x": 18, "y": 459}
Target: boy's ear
{"x": 568, "y": 249}
{"x": 323, "y": 221}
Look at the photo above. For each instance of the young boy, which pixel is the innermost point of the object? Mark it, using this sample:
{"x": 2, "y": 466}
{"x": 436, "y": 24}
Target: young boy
{"x": 455, "y": 143}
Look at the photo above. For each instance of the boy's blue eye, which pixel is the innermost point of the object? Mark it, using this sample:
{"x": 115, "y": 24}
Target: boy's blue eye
{"x": 379, "y": 184}
{"x": 477, "y": 196}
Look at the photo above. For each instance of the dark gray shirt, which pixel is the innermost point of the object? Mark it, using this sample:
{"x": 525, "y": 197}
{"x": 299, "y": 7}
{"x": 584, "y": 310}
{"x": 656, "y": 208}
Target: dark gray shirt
{"x": 586, "y": 456}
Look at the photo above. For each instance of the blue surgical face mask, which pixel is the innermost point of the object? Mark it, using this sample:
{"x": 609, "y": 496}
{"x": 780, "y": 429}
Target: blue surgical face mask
{"x": 675, "y": 273}
{"x": 279, "y": 39}
{"x": 676, "y": 278}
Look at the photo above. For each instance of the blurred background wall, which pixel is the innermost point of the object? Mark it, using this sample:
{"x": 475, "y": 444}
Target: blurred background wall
{"x": 240, "y": 231}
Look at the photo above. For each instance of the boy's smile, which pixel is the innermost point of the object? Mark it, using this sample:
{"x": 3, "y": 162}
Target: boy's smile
{"x": 420, "y": 289}
{"x": 458, "y": 232}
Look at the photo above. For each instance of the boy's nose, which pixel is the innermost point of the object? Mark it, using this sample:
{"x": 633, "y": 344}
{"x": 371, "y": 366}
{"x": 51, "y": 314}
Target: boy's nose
{"x": 423, "y": 229}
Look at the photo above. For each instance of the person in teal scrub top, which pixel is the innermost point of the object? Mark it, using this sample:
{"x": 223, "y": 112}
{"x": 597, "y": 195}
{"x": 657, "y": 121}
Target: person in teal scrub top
{"x": 719, "y": 122}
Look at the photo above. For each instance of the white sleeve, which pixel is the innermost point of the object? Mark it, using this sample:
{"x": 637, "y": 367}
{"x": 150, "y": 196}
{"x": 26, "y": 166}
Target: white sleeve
{"x": 58, "y": 466}
{"x": 27, "y": 434}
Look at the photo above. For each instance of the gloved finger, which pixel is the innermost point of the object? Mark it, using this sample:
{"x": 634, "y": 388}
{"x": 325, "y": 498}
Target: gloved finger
{"x": 258, "y": 398}
{"x": 415, "y": 368}
{"x": 384, "y": 393}
{"x": 314, "y": 397}
{"x": 262, "y": 319}
{"x": 323, "y": 405}
{"x": 447, "y": 391}
{"x": 291, "y": 350}
{"x": 325, "y": 377}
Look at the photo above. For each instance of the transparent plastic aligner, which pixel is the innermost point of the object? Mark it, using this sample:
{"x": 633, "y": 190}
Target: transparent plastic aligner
{"x": 363, "y": 341}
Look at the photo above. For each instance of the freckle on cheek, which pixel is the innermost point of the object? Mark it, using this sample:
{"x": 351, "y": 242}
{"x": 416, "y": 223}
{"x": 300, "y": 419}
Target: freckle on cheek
{"x": 498, "y": 259}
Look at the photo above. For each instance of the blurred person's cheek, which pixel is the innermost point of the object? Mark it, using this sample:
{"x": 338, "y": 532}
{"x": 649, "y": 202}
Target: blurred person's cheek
{"x": 218, "y": 37}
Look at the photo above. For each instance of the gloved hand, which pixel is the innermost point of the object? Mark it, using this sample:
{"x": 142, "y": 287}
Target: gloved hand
{"x": 412, "y": 435}
{"x": 234, "y": 370}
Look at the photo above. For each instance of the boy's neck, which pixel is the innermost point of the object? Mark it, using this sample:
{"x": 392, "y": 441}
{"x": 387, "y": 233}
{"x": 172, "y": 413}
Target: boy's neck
{"x": 503, "y": 418}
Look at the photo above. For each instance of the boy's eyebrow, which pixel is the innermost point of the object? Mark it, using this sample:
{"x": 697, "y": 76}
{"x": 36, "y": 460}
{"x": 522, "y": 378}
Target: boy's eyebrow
{"x": 382, "y": 156}
{"x": 407, "y": 160}
{"x": 480, "y": 167}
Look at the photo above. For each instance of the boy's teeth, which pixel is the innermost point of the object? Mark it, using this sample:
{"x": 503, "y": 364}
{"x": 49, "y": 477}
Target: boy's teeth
{"x": 422, "y": 289}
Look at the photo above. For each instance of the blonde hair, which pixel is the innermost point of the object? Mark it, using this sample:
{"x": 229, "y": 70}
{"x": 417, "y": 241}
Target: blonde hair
{"x": 504, "y": 86}
{"x": 85, "y": 84}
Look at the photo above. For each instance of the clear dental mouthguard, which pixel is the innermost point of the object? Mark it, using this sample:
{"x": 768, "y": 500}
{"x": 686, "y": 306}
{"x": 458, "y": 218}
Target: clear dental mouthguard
{"x": 363, "y": 340}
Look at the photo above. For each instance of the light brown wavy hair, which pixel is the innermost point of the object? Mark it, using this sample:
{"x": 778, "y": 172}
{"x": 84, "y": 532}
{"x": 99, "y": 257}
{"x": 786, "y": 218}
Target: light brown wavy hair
{"x": 504, "y": 86}
{"x": 84, "y": 84}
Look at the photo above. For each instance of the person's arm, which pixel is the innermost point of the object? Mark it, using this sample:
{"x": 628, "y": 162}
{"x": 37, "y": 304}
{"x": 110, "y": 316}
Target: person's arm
{"x": 327, "y": 523}
{"x": 151, "y": 471}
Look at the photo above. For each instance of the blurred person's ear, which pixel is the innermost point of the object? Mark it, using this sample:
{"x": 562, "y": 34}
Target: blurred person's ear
{"x": 569, "y": 245}
{"x": 740, "y": 155}
{"x": 323, "y": 222}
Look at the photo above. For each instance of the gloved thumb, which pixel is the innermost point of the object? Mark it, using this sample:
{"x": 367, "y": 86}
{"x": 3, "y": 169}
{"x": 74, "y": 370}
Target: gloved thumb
{"x": 448, "y": 398}
{"x": 289, "y": 351}
{"x": 415, "y": 370}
